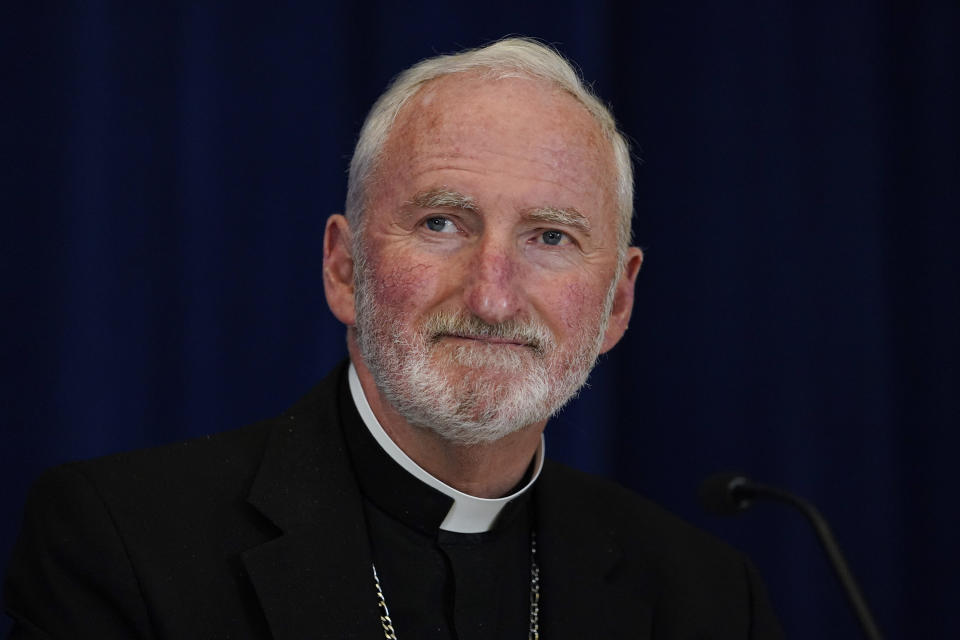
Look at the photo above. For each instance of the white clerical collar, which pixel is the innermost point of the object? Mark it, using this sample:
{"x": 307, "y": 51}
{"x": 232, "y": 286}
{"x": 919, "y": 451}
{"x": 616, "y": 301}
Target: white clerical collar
{"x": 468, "y": 514}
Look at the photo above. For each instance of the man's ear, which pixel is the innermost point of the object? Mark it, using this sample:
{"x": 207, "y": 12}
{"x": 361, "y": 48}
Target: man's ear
{"x": 623, "y": 299}
{"x": 338, "y": 269}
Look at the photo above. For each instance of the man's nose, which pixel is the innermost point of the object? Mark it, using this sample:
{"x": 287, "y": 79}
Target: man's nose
{"x": 491, "y": 292}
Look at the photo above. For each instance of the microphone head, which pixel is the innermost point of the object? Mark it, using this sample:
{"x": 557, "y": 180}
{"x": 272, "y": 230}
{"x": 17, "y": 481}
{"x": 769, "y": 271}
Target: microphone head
{"x": 719, "y": 495}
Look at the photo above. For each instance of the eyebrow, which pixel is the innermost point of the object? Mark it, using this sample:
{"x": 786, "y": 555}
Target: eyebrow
{"x": 569, "y": 217}
{"x": 443, "y": 198}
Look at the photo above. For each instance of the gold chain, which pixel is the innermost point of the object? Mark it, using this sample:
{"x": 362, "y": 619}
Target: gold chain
{"x": 385, "y": 613}
{"x": 534, "y": 630}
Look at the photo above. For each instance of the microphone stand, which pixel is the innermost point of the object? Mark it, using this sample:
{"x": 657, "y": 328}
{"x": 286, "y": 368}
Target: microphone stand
{"x": 742, "y": 491}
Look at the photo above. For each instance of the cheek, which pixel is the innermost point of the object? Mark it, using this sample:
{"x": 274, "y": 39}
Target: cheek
{"x": 574, "y": 306}
{"x": 403, "y": 287}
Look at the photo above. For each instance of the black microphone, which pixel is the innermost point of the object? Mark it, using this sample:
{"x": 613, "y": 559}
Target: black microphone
{"x": 727, "y": 494}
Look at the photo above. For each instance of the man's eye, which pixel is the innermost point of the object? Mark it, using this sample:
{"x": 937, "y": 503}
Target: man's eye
{"x": 554, "y": 237}
{"x": 440, "y": 224}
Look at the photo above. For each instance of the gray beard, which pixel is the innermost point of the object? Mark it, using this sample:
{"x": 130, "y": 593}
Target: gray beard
{"x": 502, "y": 389}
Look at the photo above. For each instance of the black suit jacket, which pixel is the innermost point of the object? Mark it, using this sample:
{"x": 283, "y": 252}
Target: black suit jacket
{"x": 260, "y": 533}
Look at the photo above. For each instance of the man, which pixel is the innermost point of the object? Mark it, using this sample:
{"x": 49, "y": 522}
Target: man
{"x": 482, "y": 265}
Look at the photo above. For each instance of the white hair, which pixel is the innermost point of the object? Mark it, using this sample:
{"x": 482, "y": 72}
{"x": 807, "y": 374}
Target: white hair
{"x": 510, "y": 57}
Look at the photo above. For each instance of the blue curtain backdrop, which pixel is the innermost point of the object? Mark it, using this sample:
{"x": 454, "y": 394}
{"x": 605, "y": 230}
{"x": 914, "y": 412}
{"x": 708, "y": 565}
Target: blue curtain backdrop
{"x": 167, "y": 170}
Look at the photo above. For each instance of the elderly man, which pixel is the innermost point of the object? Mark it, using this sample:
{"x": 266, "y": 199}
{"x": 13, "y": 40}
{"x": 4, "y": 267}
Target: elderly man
{"x": 482, "y": 265}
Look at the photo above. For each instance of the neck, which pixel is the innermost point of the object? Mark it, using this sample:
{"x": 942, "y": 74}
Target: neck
{"x": 488, "y": 470}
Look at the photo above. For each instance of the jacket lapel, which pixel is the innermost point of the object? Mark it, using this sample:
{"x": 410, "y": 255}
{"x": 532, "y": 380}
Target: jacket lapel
{"x": 315, "y": 580}
{"x": 588, "y": 588}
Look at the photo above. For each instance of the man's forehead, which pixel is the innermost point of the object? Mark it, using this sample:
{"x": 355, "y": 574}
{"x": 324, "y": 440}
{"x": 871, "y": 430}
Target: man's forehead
{"x": 468, "y": 115}
{"x": 509, "y": 144}
{"x": 476, "y": 98}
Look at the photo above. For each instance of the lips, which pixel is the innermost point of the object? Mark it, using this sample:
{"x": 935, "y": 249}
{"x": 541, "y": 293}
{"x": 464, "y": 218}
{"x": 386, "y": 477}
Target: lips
{"x": 486, "y": 339}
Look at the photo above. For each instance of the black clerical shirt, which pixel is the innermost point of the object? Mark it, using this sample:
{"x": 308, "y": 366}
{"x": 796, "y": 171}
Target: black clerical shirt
{"x": 437, "y": 583}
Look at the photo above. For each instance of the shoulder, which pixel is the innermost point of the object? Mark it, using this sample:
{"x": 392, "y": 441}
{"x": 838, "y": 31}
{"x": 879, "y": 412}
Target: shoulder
{"x": 647, "y": 535}
{"x": 696, "y": 581}
{"x": 623, "y": 509}
{"x": 182, "y": 493}
{"x": 156, "y": 529}
{"x": 209, "y": 464}
{"x": 216, "y": 464}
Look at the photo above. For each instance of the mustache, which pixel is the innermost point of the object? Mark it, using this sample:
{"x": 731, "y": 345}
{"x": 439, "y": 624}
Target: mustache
{"x": 530, "y": 333}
